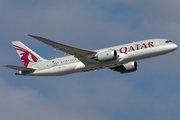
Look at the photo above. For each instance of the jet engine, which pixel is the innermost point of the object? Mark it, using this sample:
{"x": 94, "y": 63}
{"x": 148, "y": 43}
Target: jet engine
{"x": 105, "y": 56}
{"x": 126, "y": 68}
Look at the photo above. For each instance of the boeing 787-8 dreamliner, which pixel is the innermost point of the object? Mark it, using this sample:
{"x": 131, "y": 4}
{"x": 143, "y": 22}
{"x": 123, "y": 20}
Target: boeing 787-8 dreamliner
{"x": 121, "y": 58}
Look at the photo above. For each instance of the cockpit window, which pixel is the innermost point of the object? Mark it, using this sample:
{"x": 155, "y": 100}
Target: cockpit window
{"x": 168, "y": 41}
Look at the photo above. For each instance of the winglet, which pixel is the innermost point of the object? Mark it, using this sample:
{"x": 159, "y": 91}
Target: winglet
{"x": 34, "y": 36}
{"x": 29, "y": 35}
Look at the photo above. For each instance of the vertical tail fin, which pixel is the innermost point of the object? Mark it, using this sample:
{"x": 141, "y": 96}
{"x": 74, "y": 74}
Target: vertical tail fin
{"x": 27, "y": 56}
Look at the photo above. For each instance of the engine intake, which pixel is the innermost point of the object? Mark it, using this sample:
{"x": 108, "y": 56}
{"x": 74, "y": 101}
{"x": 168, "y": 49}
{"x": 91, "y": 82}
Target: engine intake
{"x": 108, "y": 55}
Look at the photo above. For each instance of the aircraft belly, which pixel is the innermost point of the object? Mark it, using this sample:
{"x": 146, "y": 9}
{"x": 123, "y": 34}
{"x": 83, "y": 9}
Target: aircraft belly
{"x": 94, "y": 67}
{"x": 57, "y": 70}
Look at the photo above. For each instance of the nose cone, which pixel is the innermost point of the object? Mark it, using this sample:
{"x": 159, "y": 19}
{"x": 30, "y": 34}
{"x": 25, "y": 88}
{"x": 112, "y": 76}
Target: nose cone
{"x": 175, "y": 46}
{"x": 171, "y": 47}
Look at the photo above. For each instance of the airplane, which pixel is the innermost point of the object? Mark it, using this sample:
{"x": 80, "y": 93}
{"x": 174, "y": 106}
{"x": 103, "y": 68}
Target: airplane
{"x": 121, "y": 58}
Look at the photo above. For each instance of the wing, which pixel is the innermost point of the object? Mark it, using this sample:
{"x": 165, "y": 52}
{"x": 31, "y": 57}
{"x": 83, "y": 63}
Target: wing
{"x": 82, "y": 54}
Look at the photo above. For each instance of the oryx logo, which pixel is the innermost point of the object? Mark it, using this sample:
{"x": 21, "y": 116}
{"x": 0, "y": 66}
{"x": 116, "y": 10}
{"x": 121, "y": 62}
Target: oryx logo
{"x": 26, "y": 56}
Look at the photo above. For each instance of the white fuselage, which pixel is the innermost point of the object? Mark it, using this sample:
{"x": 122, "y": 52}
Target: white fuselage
{"x": 126, "y": 53}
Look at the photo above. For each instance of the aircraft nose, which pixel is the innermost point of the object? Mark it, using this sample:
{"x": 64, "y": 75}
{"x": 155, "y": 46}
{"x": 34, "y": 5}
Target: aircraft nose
{"x": 175, "y": 46}
{"x": 171, "y": 47}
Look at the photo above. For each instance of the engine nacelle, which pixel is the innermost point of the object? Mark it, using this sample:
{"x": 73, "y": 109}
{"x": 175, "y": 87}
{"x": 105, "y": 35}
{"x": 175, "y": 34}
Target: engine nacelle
{"x": 126, "y": 68}
{"x": 108, "y": 55}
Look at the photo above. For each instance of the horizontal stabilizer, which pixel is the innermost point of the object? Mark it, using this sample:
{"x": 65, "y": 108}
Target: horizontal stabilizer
{"x": 19, "y": 68}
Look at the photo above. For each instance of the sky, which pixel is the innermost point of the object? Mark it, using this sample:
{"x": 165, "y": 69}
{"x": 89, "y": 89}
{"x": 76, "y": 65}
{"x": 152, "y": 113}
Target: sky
{"x": 152, "y": 92}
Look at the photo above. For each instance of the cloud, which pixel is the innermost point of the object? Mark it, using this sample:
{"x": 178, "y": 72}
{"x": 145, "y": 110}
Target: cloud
{"x": 28, "y": 104}
{"x": 18, "y": 103}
